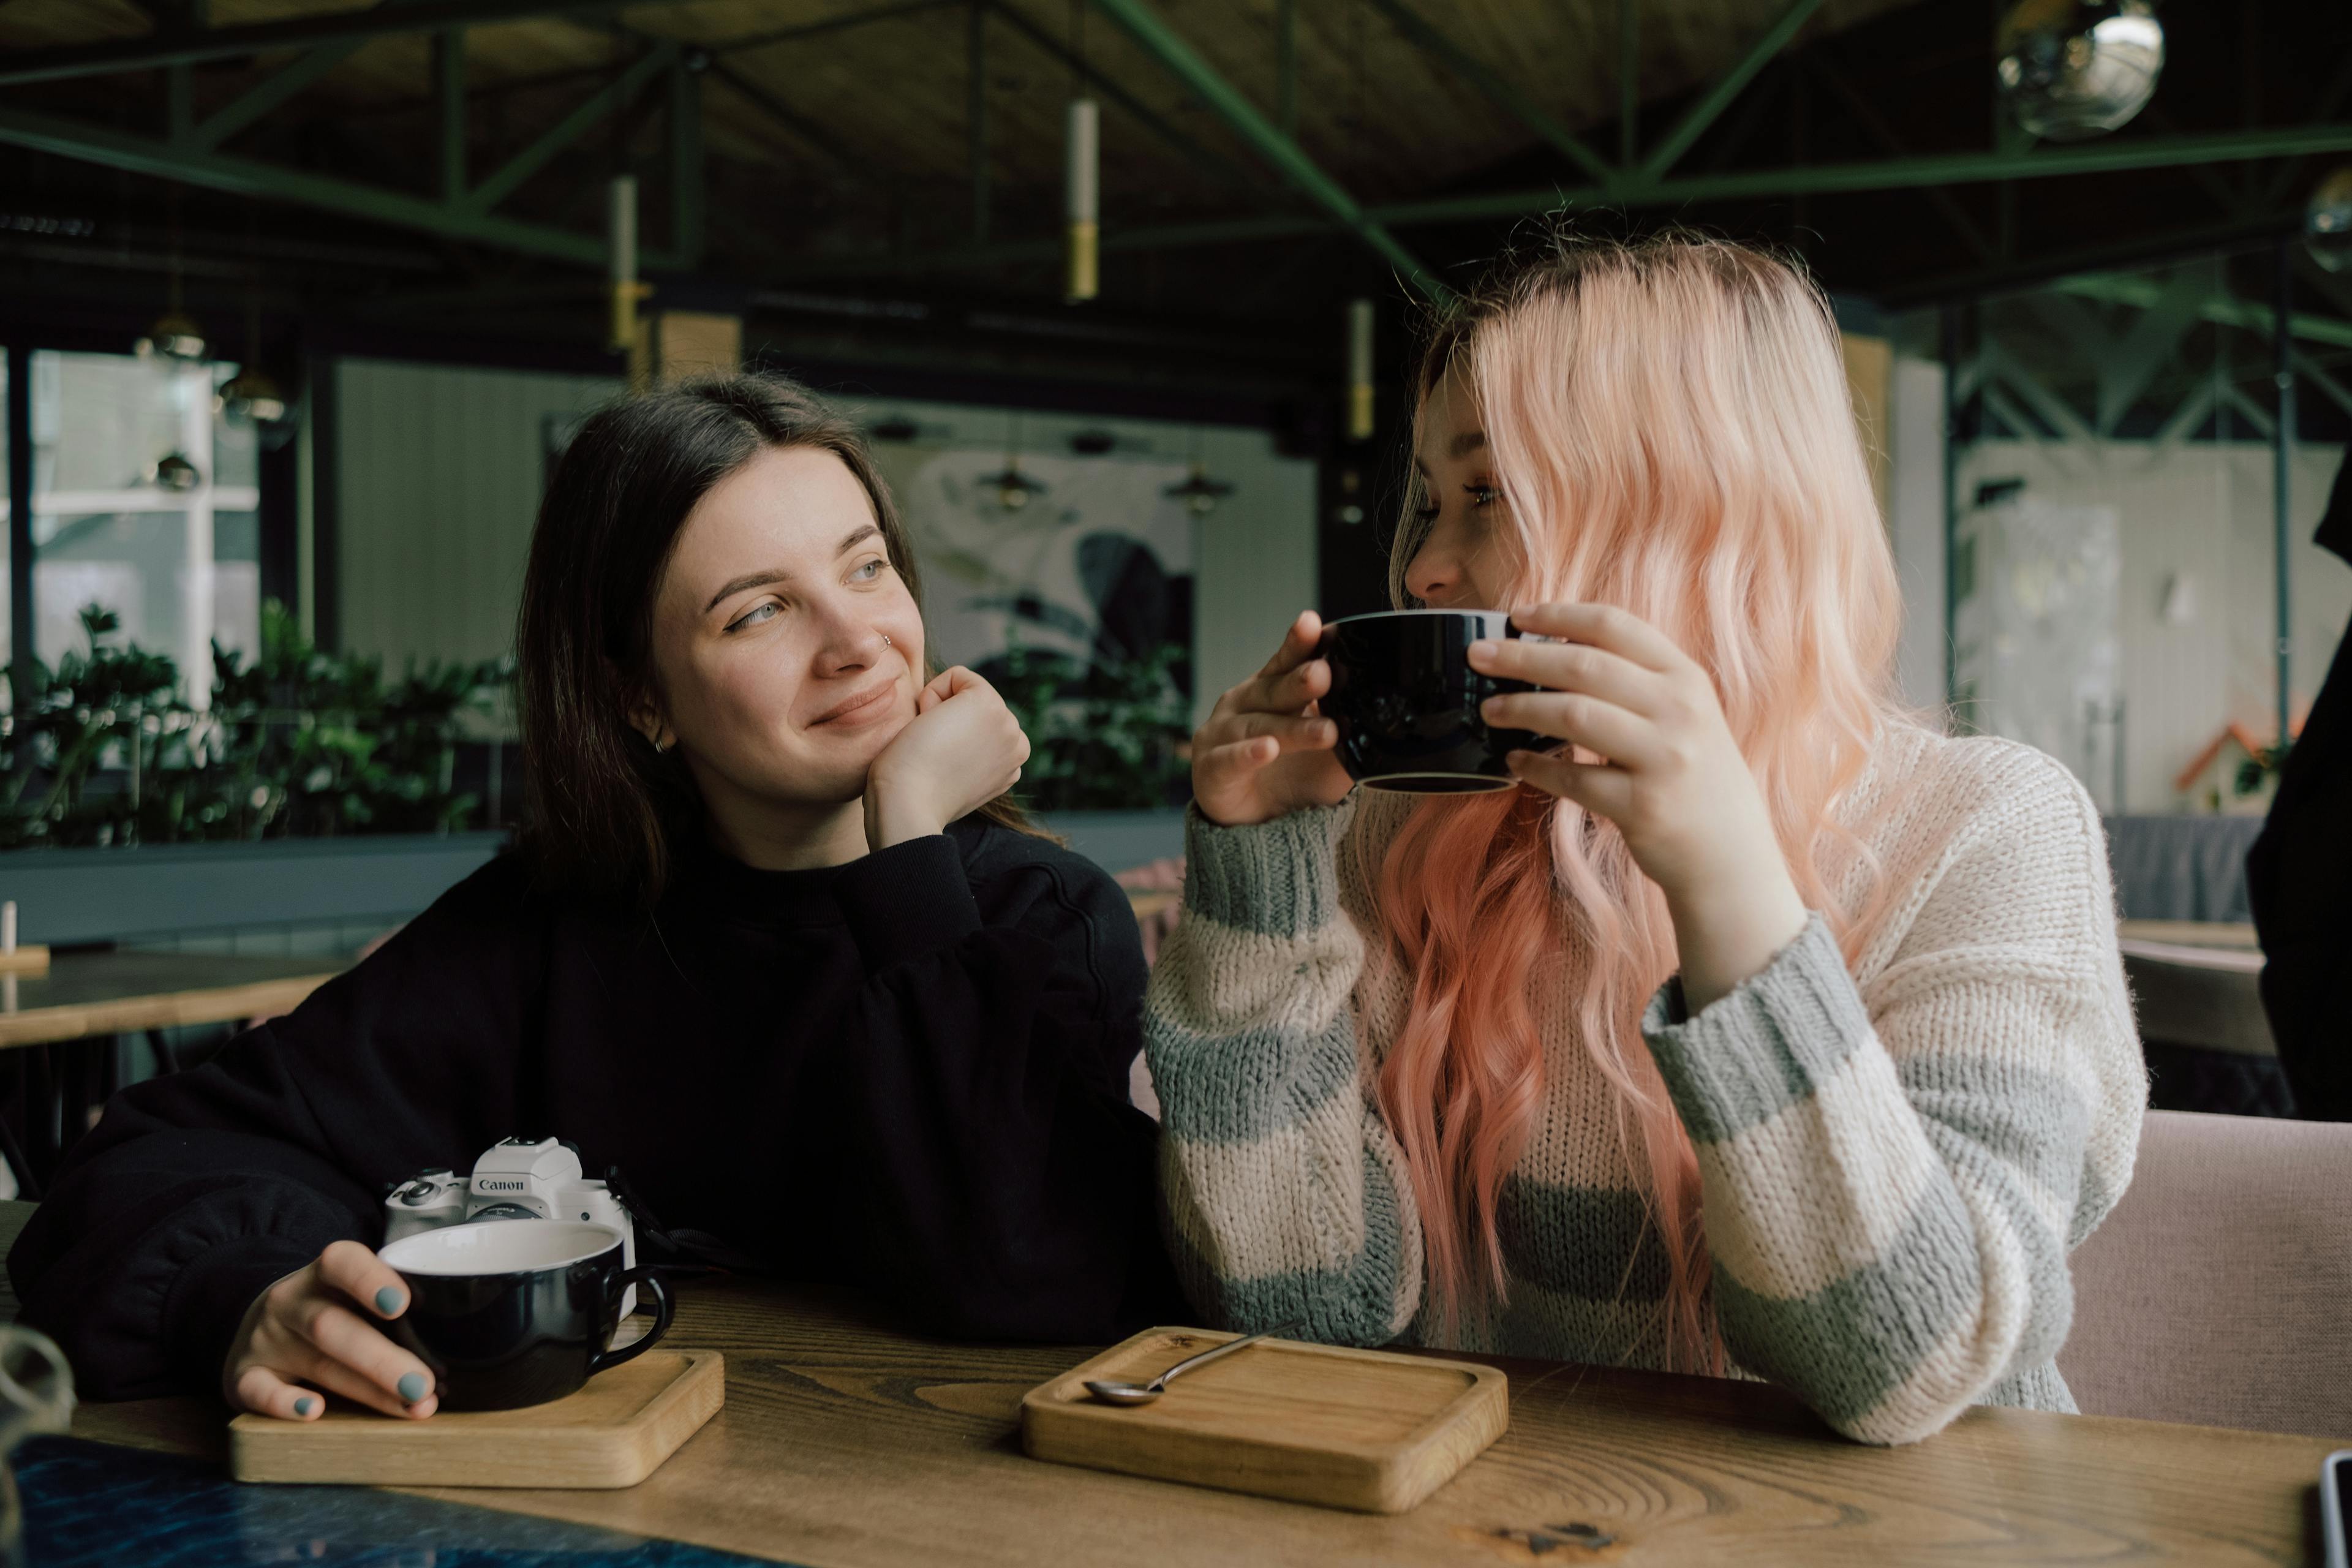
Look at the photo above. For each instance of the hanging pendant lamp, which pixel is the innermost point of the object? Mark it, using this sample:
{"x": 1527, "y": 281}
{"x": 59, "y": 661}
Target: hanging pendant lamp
{"x": 1359, "y": 370}
{"x": 175, "y": 335}
{"x": 1013, "y": 489}
{"x": 1197, "y": 490}
{"x": 1082, "y": 182}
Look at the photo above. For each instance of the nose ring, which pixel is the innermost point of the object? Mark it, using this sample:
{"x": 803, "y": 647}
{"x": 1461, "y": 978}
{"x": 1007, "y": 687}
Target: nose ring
{"x": 885, "y": 641}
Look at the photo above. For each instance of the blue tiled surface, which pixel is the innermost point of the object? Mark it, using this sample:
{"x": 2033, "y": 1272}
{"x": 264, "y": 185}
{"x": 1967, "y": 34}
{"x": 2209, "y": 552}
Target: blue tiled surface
{"x": 89, "y": 1504}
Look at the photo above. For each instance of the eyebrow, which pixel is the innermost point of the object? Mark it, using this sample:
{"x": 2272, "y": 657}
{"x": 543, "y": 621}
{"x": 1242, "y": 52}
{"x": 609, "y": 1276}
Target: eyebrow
{"x": 1467, "y": 442}
{"x": 762, "y": 579}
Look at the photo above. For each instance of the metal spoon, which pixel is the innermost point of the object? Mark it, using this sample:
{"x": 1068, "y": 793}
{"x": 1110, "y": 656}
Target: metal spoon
{"x": 1113, "y": 1391}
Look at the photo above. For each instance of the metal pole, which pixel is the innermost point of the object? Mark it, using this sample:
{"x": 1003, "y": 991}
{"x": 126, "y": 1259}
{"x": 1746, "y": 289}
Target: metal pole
{"x": 977, "y": 115}
{"x": 1951, "y": 346}
{"x": 2281, "y": 461}
{"x": 20, "y": 523}
{"x": 1286, "y": 66}
{"x": 1629, "y": 81}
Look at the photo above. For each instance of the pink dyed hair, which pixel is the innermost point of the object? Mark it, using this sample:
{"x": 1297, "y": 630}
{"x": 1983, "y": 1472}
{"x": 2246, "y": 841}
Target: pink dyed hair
{"x": 1669, "y": 424}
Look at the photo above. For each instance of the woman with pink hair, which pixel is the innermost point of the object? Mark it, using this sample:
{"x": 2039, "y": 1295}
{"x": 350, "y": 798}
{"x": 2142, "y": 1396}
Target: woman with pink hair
{"x": 1763, "y": 1030}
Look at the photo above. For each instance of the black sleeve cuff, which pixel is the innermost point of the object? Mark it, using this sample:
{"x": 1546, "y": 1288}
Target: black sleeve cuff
{"x": 208, "y": 1301}
{"x": 907, "y": 900}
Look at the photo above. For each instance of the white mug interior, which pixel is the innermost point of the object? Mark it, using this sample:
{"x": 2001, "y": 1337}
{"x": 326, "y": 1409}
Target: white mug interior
{"x": 500, "y": 1247}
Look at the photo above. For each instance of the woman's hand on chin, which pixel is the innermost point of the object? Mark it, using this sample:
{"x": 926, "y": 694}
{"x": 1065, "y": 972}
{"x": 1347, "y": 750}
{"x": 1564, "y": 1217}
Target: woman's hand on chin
{"x": 963, "y": 750}
{"x": 1671, "y": 776}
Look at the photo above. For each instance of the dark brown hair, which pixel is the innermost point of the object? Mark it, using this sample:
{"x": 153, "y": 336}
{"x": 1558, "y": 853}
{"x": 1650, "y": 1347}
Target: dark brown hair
{"x": 604, "y": 811}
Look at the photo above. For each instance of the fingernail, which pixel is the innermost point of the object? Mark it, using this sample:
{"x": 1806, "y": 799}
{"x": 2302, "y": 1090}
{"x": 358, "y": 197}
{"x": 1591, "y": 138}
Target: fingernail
{"x": 304, "y": 1405}
{"x": 389, "y": 1300}
{"x": 412, "y": 1388}
{"x": 1482, "y": 648}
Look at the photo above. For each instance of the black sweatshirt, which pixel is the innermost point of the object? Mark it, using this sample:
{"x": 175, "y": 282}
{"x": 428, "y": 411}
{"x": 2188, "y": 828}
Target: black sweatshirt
{"x": 907, "y": 1075}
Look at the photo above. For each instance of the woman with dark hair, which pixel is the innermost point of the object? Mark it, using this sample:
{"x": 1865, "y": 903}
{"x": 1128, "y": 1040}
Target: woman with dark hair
{"x": 775, "y": 945}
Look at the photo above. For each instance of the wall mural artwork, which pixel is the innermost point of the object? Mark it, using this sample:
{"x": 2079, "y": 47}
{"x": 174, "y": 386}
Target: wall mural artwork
{"x": 1068, "y": 584}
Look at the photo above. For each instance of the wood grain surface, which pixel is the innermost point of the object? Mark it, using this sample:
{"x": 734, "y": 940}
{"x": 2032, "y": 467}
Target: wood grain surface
{"x": 114, "y": 992}
{"x": 1369, "y": 1430}
{"x": 614, "y": 1432}
{"x": 2237, "y": 935}
{"x": 844, "y": 1445}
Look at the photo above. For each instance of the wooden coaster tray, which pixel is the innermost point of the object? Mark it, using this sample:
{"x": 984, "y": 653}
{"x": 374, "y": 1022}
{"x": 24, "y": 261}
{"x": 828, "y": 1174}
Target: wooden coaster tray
{"x": 614, "y": 1432}
{"x": 1369, "y": 1430}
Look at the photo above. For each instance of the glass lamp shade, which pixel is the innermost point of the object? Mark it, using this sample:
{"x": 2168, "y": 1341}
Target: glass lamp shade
{"x": 174, "y": 472}
{"x": 2327, "y": 222}
{"x": 2076, "y": 68}
{"x": 1014, "y": 487}
{"x": 1199, "y": 492}
{"x": 252, "y": 398}
{"x": 174, "y": 336}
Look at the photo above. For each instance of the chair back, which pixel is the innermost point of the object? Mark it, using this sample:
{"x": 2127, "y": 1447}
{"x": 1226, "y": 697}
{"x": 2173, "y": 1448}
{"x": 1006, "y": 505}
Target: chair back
{"x": 2220, "y": 1290}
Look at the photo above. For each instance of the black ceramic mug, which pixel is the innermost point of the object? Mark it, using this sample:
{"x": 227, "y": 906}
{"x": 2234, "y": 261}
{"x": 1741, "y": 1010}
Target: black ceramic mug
{"x": 1406, "y": 701}
{"x": 510, "y": 1313}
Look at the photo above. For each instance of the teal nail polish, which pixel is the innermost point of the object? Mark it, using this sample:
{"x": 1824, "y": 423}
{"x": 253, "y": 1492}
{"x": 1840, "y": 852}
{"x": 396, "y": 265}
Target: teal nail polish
{"x": 304, "y": 1405}
{"x": 388, "y": 1299}
{"x": 412, "y": 1388}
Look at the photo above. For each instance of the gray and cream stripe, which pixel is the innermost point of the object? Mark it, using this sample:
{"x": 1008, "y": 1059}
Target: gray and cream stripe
{"x": 1896, "y": 1157}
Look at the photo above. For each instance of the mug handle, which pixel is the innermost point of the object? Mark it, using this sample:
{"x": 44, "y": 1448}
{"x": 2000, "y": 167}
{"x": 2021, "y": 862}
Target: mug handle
{"x": 644, "y": 1275}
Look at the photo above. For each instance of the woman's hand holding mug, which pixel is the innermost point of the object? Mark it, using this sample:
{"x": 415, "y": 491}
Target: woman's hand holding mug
{"x": 963, "y": 750}
{"x": 1671, "y": 777}
{"x": 315, "y": 1327}
{"x": 1266, "y": 751}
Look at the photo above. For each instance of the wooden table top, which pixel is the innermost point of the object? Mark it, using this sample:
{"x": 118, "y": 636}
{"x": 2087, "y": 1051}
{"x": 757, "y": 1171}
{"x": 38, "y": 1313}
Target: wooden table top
{"x": 845, "y": 1445}
{"x": 2227, "y": 934}
{"x": 113, "y": 993}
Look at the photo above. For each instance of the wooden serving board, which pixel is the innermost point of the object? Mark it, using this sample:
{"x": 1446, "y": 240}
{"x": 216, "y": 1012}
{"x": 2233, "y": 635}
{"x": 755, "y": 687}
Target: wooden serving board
{"x": 1368, "y": 1430}
{"x": 614, "y": 1432}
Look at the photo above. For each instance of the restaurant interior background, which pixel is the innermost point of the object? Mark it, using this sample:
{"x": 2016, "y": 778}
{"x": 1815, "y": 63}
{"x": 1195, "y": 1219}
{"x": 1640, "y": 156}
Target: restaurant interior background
{"x": 301, "y": 300}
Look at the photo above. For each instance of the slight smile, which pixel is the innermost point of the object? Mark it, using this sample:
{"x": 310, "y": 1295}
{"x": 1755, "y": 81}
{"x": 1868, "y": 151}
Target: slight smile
{"x": 862, "y": 709}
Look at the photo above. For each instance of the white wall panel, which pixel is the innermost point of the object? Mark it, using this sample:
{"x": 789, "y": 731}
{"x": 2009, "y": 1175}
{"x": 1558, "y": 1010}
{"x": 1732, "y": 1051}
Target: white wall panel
{"x": 2202, "y": 512}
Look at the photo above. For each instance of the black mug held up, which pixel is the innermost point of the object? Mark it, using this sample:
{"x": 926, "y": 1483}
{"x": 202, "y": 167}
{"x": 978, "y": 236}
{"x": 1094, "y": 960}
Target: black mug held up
{"x": 1406, "y": 701}
{"x": 514, "y": 1313}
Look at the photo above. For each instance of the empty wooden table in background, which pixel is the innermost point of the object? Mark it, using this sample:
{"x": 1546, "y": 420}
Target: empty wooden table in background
{"x": 82, "y": 994}
{"x": 85, "y": 996}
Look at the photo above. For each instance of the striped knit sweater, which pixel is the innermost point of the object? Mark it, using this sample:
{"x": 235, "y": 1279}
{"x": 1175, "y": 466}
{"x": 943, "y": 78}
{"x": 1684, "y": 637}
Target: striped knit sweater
{"x": 1895, "y": 1159}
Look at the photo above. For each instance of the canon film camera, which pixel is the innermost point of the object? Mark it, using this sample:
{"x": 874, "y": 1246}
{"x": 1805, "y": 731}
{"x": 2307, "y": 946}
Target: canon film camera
{"x": 518, "y": 1179}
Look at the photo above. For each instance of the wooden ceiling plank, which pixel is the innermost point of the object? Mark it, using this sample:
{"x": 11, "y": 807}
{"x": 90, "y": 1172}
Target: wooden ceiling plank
{"x": 269, "y": 92}
{"x": 196, "y": 46}
{"x": 502, "y": 184}
{"x": 829, "y": 24}
{"x": 1411, "y": 24}
{"x": 1222, "y": 172}
{"x": 803, "y": 128}
{"x": 1718, "y": 98}
{"x": 1144, "y": 26}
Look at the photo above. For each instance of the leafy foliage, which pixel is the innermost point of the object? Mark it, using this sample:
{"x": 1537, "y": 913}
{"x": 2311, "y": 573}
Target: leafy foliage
{"x": 2263, "y": 764}
{"x": 1103, "y": 736}
{"x": 301, "y": 743}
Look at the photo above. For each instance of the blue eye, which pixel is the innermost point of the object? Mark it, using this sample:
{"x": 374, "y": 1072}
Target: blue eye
{"x": 754, "y": 617}
{"x": 869, "y": 571}
{"x": 1480, "y": 495}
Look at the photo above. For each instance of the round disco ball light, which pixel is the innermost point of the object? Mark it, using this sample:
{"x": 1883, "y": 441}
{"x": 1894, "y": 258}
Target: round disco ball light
{"x": 2074, "y": 69}
{"x": 2327, "y": 222}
